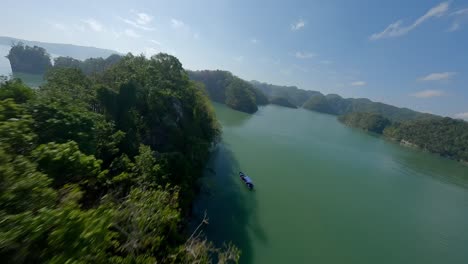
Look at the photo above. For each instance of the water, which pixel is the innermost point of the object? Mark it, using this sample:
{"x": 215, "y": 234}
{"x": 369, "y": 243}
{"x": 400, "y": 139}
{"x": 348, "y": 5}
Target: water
{"x": 326, "y": 193}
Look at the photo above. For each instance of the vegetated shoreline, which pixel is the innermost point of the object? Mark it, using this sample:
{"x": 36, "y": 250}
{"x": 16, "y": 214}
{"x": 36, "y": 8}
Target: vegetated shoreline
{"x": 395, "y": 132}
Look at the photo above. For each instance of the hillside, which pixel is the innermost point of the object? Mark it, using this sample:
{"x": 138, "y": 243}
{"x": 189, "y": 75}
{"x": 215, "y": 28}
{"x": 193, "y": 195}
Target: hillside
{"x": 223, "y": 87}
{"x": 58, "y": 49}
{"x": 337, "y": 105}
{"x": 291, "y": 93}
{"x": 104, "y": 169}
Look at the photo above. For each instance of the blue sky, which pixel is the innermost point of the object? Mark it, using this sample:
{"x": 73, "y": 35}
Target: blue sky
{"x": 407, "y": 53}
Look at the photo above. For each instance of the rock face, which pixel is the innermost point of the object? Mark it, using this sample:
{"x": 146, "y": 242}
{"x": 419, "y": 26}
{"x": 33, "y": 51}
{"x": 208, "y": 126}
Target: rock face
{"x": 26, "y": 59}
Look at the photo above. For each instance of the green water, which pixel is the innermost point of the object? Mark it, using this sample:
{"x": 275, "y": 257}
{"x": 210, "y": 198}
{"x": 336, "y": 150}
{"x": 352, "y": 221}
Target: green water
{"x": 326, "y": 193}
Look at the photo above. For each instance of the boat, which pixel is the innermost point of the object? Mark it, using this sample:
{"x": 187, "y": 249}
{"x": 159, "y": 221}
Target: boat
{"x": 246, "y": 179}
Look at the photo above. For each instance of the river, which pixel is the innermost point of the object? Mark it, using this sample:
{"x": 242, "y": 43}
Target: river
{"x": 327, "y": 193}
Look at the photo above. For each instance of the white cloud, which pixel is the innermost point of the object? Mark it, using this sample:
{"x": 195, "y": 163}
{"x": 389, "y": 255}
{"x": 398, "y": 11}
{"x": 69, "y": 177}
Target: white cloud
{"x": 298, "y": 25}
{"x": 93, "y": 24}
{"x": 438, "y": 76}
{"x": 131, "y": 33}
{"x": 254, "y": 41}
{"x": 462, "y": 116}
{"x": 196, "y": 35}
{"x": 304, "y": 55}
{"x": 239, "y": 58}
{"x": 460, "y": 16}
{"x": 177, "y": 23}
{"x": 140, "y": 21}
{"x": 326, "y": 62}
{"x": 143, "y": 18}
{"x": 136, "y": 24}
{"x": 428, "y": 94}
{"x": 359, "y": 83}
{"x": 397, "y": 29}
{"x": 155, "y": 42}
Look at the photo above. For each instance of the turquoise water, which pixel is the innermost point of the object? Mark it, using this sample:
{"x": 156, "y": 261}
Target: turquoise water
{"x": 326, "y": 193}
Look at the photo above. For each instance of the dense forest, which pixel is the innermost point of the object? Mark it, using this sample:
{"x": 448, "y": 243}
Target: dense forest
{"x": 88, "y": 66}
{"x": 444, "y": 136}
{"x": 371, "y": 122}
{"x": 336, "y": 105}
{"x": 225, "y": 88}
{"x": 282, "y": 102}
{"x": 103, "y": 168}
{"x": 293, "y": 94}
{"x": 26, "y": 59}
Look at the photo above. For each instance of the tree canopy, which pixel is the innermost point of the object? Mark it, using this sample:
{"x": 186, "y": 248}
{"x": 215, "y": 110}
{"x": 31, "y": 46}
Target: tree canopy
{"x": 225, "y": 88}
{"x": 28, "y": 59}
{"x": 103, "y": 169}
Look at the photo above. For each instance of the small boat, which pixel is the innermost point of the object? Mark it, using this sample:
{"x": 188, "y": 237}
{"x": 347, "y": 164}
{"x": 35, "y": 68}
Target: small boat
{"x": 246, "y": 179}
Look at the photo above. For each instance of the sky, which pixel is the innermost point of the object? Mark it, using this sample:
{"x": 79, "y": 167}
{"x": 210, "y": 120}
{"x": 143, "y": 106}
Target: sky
{"x": 407, "y": 53}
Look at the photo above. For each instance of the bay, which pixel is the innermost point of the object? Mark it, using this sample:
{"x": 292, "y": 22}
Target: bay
{"x": 327, "y": 193}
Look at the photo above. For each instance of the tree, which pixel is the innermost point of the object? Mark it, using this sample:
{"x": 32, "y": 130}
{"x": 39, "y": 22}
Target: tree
{"x": 28, "y": 59}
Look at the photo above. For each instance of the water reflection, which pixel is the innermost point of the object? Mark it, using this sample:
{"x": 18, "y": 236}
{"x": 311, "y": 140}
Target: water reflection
{"x": 230, "y": 207}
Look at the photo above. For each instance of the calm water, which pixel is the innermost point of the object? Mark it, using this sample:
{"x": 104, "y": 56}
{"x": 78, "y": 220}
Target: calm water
{"x": 326, "y": 193}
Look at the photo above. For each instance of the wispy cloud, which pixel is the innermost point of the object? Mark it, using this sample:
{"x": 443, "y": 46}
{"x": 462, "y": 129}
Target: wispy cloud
{"x": 428, "y": 94}
{"x": 397, "y": 28}
{"x": 177, "y": 23}
{"x": 462, "y": 116}
{"x": 93, "y": 24}
{"x": 131, "y": 33}
{"x": 140, "y": 21}
{"x": 155, "y": 42}
{"x": 438, "y": 76}
{"x": 136, "y": 25}
{"x": 304, "y": 55}
{"x": 359, "y": 83}
{"x": 143, "y": 18}
{"x": 254, "y": 41}
{"x": 460, "y": 18}
{"x": 298, "y": 25}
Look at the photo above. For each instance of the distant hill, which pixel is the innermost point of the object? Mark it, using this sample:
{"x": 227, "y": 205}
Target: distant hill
{"x": 337, "y": 105}
{"x": 228, "y": 89}
{"x": 68, "y": 50}
{"x": 291, "y": 93}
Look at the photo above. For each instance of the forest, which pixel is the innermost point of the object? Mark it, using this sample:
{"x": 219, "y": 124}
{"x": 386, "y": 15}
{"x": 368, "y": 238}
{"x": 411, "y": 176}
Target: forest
{"x": 225, "y": 88}
{"x": 104, "y": 168}
{"x": 27, "y": 59}
{"x": 88, "y": 66}
{"x": 444, "y": 136}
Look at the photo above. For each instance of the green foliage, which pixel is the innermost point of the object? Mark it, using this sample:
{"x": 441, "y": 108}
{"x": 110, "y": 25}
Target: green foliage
{"x": 240, "y": 97}
{"x": 367, "y": 121}
{"x": 89, "y": 66}
{"x": 319, "y": 103}
{"x": 28, "y": 59}
{"x": 16, "y": 90}
{"x": 445, "y": 136}
{"x": 65, "y": 163}
{"x": 293, "y": 94}
{"x": 336, "y": 105}
{"x": 101, "y": 169}
{"x": 282, "y": 102}
{"x": 223, "y": 87}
